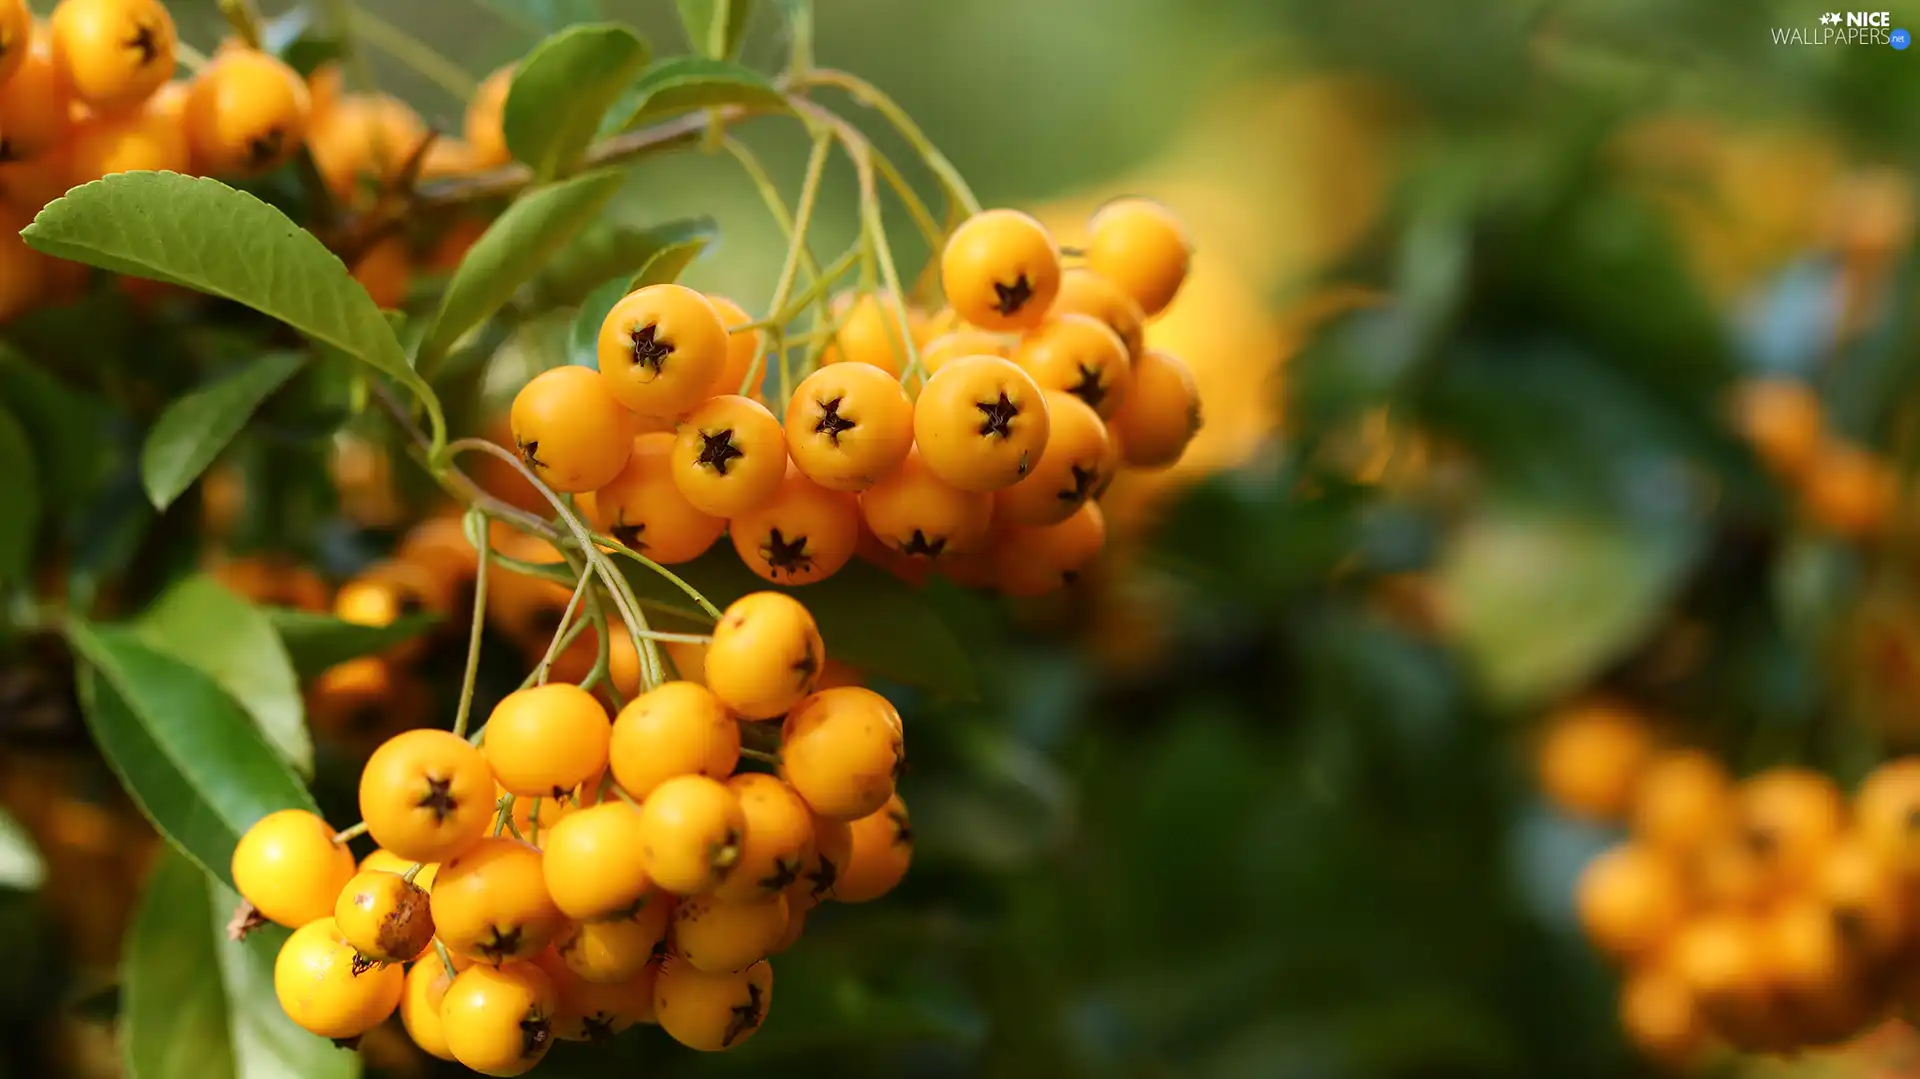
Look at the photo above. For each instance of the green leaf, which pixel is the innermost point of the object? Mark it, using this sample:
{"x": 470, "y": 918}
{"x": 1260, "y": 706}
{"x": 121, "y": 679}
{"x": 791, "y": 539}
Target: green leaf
{"x": 200, "y": 622}
{"x": 868, "y": 618}
{"x": 715, "y": 28}
{"x": 621, "y": 250}
{"x": 583, "y": 341}
{"x": 68, "y": 429}
{"x": 196, "y": 1005}
{"x": 204, "y": 235}
{"x": 684, "y": 83}
{"x": 511, "y": 251}
{"x": 21, "y": 867}
{"x": 20, "y": 495}
{"x": 195, "y": 428}
{"x": 563, "y": 88}
{"x": 319, "y": 641}
{"x": 196, "y": 765}
{"x": 293, "y": 37}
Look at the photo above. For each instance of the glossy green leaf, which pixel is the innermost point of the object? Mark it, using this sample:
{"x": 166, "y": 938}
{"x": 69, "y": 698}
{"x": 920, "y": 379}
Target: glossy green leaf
{"x": 200, "y": 622}
{"x": 318, "y": 641}
{"x": 204, "y": 235}
{"x": 684, "y": 83}
{"x": 511, "y": 251}
{"x": 563, "y": 88}
{"x": 868, "y": 618}
{"x": 715, "y": 28}
{"x": 195, "y": 428}
{"x": 21, "y": 867}
{"x": 190, "y": 757}
{"x": 197, "y": 1005}
{"x": 583, "y": 340}
{"x": 600, "y": 252}
{"x": 20, "y": 497}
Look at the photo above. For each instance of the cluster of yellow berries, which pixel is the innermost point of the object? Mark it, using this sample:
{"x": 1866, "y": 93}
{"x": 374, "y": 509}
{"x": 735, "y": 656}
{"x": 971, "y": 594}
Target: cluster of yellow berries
{"x": 569, "y": 876}
{"x": 1765, "y": 914}
{"x": 1843, "y": 488}
{"x": 1033, "y": 389}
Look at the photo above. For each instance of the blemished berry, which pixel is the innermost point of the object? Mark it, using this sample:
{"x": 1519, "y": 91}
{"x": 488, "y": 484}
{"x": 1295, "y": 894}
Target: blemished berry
{"x": 1631, "y": 900}
{"x": 1070, "y": 469}
{"x": 483, "y": 130}
{"x": 766, "y": 655}
{"x": 803, "y": 534}
{"x": 1161, "y": 413}
{"x": 545, "y": 741}
{"x": 426, "y": 987}
{"x": 779, "y": 839}
{"x": 385, "y": 917}
{"x": 591, "y": 862}
{"x": 570, "y": 430}
{"x": 1029, "y": 561}
{"x": 1001, "y": 270}
{"x": 981, "y": 423}
{"x": 609, "y": 951}
{"x": 721, "y": 936}
{"x": 1084, "y": 292}
{"x": 490, "y": 902}
{"x": 426, "y": 795}
{"x": 849, "y": 425}
{"x": 922, "y": 516}
{"x": 869, "y": 332}
{"x": 692, "y": 831}
{"x": 1591, "y": 756}
{"x": 322, "y": 989}
{"x": 881, "y": 852}
{"x": 499, "y": 1020}
{"x": 729, "y": 456}
{"x": 596, "y": 1011}
{"x": 677, "y": 728}
{"x": 820, "y": 871}
{"x": 1142, "y": 247}
{"x": 288, "y": 866}
{"x": 385, "y": 861}
{"x": 711, "y": 1012}
{"x": 113, "y": 53}
{"x": 1080, "y": 355}
{"x": 660, "y": 349}
{"x": 644, "y": 508}
{"x": 246, "y": 113}
{"x": 842, "y": 750}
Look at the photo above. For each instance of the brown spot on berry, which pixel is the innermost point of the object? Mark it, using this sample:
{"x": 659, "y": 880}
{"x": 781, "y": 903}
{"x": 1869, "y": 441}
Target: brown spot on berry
{"x": 784, "y": 555}
{"x": 831, "y": 422}
{"x": 649, "y": 351}
{"x": 745, "y": 1017}
{"x": 999, "y": 416}
{"x": 1008, "y": 299}
{"x": 439, "y": 799}
{"x": 717, "y": 450}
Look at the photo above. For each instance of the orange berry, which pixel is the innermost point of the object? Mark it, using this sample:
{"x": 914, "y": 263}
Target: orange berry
{"x": 1682, "y": 801}
{"x": 499, "y": 1020}
{"x": 1160, "y": 414}
{"x": 720, "y": 936}
{"x": 546, "y": 740}
{"x": 1001, "y": 270}
{"x": 591, "y": 861}
{"x": 779, "y": 839}
{"x": 643, "y": 508}
{"x": 1887, "y": 813}
{"x": 1029, "y": 561}
{"x": 125, "y": 142}
{"x": 426, "y": 795}
{"x": 849, "y": 426}
{"x": 742, "y": 348}
{"x": 385, "y": 861}
{"x": 114, "y": 53}
{"x": 843, "y": 749}
{"x": 1084, "y": 292}
{"x": 1864, "y": 898}
{"x": 246, "y": 112}
{"x": 385, "y": 270}
{"x": 981, "y": 423}
{"x": 570, "y": 430}
{"x": 920, "y": 515}
{"x": 1140, "y": 246}
{"x": 729, "y": 456}
{"x": 1591, "y": 757}
{"x": 363, "y": 140}
{"x": 1069, "y": 470}
{"x": 16, "y": 31}
{"x": 804, "y": 533}
{"x": 595, "y": 1011}
{"x": 1790, "y": 818}
{"x": 1080, "y": 355}
{"x": 1721, "y": 959}
{"x": 450, "y": 157}
{"x": 822, "y": 863}
{"x": 796, "y": 925}
{"x": 882, "y": 849}
{"x": 607, "y": 952}
{"x": 34, "y": 111}
{"x": 661, "y": 348}
{"x": 385, "y": 917}
{"x": 675, "y": 729}
{"x": 765, "y": 656}
{"x": 490, "y": 902}
{"x": 288, "y": 866}
{"x": 1631, "y": 899}
{"x": 870, "y": 332}
{"x": 711, "y": 1012}
{"x": 1783, "y": 420}
{"x": 1849, "y": 491}
{"x": 426, "y": 987}
{"x": 1661, "y": 1019}
{"x": 322, "y": 989}
{"x": 951, "y": 346}
{"x": 693, "y": 829}
{"x": 483, "y": 121}
{"x": 22, "y": 269}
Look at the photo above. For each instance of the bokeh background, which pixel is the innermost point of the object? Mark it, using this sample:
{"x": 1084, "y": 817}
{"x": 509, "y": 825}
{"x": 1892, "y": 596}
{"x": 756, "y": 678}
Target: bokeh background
{"x": 1474, "y": 281}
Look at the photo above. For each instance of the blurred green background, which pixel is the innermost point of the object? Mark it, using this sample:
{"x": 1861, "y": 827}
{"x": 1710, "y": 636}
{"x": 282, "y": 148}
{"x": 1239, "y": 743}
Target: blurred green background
{"x": 1255, "y": 801}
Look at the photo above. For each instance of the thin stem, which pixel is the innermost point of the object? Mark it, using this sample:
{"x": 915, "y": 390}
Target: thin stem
{"x": 916, "y": 208}
{"x": 672, "y": 577}
{"x": 802, "y": 219}
{"x": 413, "y": 872}
{"x": 874, "y": 230}
{"x": 678, "y": 638}
{"x": 786, "y": 371}
{"x": 414, "y": 53}
{"x": 603, "y": 656}
{"x": 509, "y": 179}
{"x": 620, "y": 793}
{"x": 446, "y": 961}
{"x": 770, "y": 194}
{"x": 245, "y": 20}
{"x": 874, "y": 98}
{"x": 565, "y": 641}
{"x": 760, "y": 755}
{"x": 566, "y": 619}
{"x": 190, "y": 58}
{"x": 800, "y": 57}
{"x": 480, "y": 535}
{"x": 354, "y": 832}
{"x": 533, "y": 822}
{"x": 340, "y": 16}
{"x": 503, "y": 815}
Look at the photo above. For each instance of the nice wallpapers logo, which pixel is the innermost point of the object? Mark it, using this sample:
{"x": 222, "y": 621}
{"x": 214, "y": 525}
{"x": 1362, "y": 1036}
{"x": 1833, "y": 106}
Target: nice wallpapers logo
{"x": 1846, "y": 28}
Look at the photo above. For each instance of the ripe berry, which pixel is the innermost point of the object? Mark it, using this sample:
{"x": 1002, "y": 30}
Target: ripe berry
{"x": 324, "y": 991}
{"x": 491, "y": 904}
{"x": 849, "y": 426}
{"x": 596, "y": 1011}
{"x": 1683, "y": 800}
{"x": 804, "y": 533}
{"x": 1790, "y": 818}
{"x": 246, "y": 113}
{"x": 1069, "y": 471}
{"x": 385, "y": 861}
{"x": 869, "y": 332}
{"x": 1084, "y": 292}
{"x": 114, "y": 53}
{"x": 677, "y": 728}
{"x": 765, "y": 655}
{"x": 570, "y": 430}
{"x": 796, "y": 925}
{"x": 778, "y": 841}
{"x": 1864, "y": 898}
{"x": 16, "y": 30}
{"x": 1029, "y": 561}
{"x": 643, "y": 508}
{"x": 499, "y": 1020}
{"x": 824, "y": 863}
{"x": 1848, "y": 490}
{"x": 1161, "y": 412}
{"x": 1001, "y": 270}
{"x": 711, "y": 1012}
{"x": 546, "y": 740}
{"x": 1631, "y": 899}
{"x": 729, "y": 456}
{"x": 34, "y": 103}
{"x": 946, "y": 348}
{"x": 426, "y": 987}
{"x": 842, "y": 749}
{"x": 1783, "y": 420}
{"x": 1660, "y": 1017}
{"x": 661, "y": 349}
{"x": 137, "y": 140}
{"x": 426, "y": 795}
{"x": 981, "y": 423}
{"x": 385, "y": 270}
{"x": 288, "y": 866}
{"x": 483, "y": 129}
{"x": 1886, "y": 812}
{"x": 742, "y": 348}
{"x": 720, "y": 936}
{"x": 1590, "y": 758}
{"x": 1809, "y": 965}
{"x": 920, "y": 515}
{"x": 1140, "y": 246}
{"x": 1080, "y": 355}
{"x": 882, "y": 849}
{"x": 363, "y": 140}
{"x": 591, "y": 862}
{"x": 1721, "y": 959}
{"x": 693, "y": 828}
{"x": 552, "y": 810}
{"x": 385, "y": 917}
{"x": 22, "y": 269}
{"x": 608, "y": 952}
